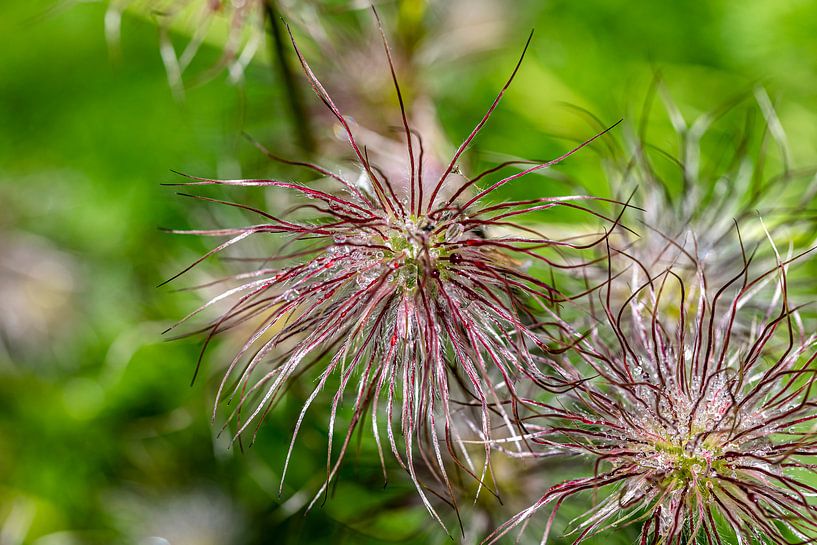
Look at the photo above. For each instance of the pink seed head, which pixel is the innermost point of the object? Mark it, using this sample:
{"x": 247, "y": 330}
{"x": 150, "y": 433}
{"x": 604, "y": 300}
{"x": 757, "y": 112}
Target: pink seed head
{"x": 690, "y": 427}
{"x": 396, "y": 294}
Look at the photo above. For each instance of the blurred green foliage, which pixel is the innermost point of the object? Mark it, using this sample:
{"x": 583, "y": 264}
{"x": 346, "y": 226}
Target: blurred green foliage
{"x": 102, "y": 438}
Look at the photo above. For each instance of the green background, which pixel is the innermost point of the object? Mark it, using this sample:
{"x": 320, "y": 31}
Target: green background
{"x": 102, "y": 438}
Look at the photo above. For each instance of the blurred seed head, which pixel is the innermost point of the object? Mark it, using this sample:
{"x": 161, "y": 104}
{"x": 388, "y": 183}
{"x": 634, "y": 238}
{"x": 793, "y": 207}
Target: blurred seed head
{"x": 429, "y": 38}
{"x": 428, "y": 32}
{"x": 237, "y": 25}
{"x": 710, "y": 195}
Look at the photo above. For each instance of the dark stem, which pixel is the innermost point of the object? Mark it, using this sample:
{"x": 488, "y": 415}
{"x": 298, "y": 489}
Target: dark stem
{"x": 296, "y": 108}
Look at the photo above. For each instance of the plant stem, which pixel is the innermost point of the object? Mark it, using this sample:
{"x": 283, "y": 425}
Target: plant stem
{"x": 296, "y": 109}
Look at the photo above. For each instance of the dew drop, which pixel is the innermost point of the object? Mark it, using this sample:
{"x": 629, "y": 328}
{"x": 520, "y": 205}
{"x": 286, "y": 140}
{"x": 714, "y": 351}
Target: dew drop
{"x": 453, "y": 233}
{"x": 291, "y": 295}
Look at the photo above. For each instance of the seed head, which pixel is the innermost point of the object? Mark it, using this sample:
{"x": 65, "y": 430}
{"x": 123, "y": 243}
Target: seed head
{"x": 727, "y": 166}
{"x": 397, "y": 293}
{"x": 695, "y": 433}
{"x": 242, "y": 23}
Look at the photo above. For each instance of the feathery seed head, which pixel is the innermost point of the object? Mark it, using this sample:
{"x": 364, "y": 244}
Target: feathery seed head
{"x": 396, "y": 292}
{"x": 694, "y": 432}
{"x": 723, "y": 168}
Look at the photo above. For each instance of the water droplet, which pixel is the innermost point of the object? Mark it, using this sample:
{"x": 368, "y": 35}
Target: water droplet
{"x": 340, "y": 238}
{"x": 364, "y": 279}
{"x": 453, "y": 233}
{"x": 291, "y": 295}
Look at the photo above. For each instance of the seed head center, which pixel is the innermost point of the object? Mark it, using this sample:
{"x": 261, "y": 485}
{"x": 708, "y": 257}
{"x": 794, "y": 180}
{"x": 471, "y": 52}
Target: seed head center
{"x": 420, "y": 251}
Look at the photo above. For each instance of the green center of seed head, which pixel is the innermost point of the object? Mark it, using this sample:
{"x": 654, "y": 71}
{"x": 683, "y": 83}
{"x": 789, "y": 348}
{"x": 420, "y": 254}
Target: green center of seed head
{"x": 414, "y": 251}
{"x": 688, "y": 463}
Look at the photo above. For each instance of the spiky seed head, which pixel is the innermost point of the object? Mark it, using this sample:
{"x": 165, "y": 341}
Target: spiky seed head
{"x": 693, "y": 432}
{"x": 397, "y": 293}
